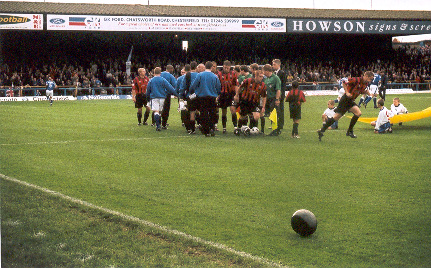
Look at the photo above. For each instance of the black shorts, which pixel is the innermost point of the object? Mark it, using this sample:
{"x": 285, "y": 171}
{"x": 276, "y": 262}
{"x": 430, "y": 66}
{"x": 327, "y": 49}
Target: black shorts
{"x": 192, "y": 105}
{"x": 141, "y": 100}
{"x": 226, "y": 100}
{"x": 269, "y": 106}
{"x": 247, "y": 108}
{"x": 295, "y": 111}
{"x": 344, "y": 105}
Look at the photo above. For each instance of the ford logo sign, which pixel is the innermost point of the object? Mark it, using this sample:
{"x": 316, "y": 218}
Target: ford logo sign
{"x": 57, "y": 21}
{"x": 277, "y": 24}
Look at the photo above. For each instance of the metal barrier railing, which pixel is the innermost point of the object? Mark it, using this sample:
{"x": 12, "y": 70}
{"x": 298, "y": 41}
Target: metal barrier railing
{"x": 331, "y": 86}
{"x": 65, "y": 91}
{"x": 127, "y": 89}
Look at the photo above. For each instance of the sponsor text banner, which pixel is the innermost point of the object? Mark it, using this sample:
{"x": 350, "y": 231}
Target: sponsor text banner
{"x": 160, "y": 24}
{"x": 21, "y": 21}
{"x": 358, "y": 26}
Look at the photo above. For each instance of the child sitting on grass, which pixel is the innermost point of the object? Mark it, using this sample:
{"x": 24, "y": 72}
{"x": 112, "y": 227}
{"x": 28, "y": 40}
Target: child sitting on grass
{"x": 398, "y": 108}
{"x": 382, "y": 125}
{"x": 329, "y": 113}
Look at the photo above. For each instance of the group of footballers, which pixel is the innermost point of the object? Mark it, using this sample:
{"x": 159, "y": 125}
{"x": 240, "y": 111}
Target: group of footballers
{"x": 252, "y": 91}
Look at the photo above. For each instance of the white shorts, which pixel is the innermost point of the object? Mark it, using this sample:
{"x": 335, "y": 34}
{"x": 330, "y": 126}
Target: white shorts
{"x": 157, "y": 104}
{"x": 374, "y": 89}
{"x": 50, "y": 93}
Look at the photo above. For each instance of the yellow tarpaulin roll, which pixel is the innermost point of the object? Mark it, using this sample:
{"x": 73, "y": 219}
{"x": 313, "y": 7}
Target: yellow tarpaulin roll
{"x": 400, "y": 117}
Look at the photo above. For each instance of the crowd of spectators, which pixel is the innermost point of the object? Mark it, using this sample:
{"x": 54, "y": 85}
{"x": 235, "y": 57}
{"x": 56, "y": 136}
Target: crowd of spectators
{"x": 406, "y": 63}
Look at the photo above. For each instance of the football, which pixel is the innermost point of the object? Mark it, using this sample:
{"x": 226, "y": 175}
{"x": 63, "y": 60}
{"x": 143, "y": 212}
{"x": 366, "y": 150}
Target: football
{"x": 245, "y": 130}
{"x": 254, "y": 131}
{"x": 304, "y": 222}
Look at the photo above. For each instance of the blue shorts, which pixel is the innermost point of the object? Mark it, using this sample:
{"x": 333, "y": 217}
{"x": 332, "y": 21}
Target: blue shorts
{"x": 335, "y": 125}
{"x": 384, "y": 127}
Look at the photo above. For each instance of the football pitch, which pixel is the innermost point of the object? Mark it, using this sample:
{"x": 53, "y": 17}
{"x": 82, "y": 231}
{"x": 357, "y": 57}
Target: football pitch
{"x": 371, "y": 195}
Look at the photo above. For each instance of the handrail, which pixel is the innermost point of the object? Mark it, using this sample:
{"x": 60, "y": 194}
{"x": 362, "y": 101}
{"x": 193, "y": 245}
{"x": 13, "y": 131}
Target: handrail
{"x": 127, "y": 89}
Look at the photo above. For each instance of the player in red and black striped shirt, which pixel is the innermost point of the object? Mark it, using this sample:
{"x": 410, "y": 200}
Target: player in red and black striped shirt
{"x": 139, "y": 90}
{"x": 295, "y": 98}
{"x": 229, "y": 85}
{"x": 354, "y": 87}
{"x": 248, "y": 96}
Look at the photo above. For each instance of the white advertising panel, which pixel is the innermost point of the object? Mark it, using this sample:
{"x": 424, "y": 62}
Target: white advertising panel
{"x": 37, "y": 98}
{"x": 358, "y": 26}
{"x": 167, "y": 24}
{"x": 21, "y": 21}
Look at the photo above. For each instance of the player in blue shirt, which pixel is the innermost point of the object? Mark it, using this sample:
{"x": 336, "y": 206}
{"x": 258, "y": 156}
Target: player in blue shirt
{"x": 189, "y": 114}
{"x": 180, "y": 79}
{"x": 50, "y": 86}
{"x": 373, "y": 89}
{"x": 157, "y": 90}
{"x": 206, "y": 88}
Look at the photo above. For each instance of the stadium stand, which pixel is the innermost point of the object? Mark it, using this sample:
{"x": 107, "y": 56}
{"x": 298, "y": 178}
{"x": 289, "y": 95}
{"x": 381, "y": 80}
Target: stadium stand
{"x": 97, "y": 59}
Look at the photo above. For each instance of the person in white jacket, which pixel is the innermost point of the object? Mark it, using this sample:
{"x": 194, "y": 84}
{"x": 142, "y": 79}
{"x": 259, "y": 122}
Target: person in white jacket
{"x": 382, "y": 125}
{"x": 329, "y": 113}
{"x": 398, "y": 108}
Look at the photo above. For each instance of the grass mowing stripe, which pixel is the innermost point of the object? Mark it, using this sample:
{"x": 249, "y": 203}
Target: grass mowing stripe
{"x": 110, "y": 140}
{"x": 147, "y": 223}
{"x": 93, "y": 140}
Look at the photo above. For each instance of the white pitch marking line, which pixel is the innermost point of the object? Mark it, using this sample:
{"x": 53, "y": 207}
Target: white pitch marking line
{"x": 147, "y": 223}
{"x": 104, "y": 140}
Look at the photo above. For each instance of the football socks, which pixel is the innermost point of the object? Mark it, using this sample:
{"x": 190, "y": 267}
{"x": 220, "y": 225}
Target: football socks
{"x": 352, "y": 122}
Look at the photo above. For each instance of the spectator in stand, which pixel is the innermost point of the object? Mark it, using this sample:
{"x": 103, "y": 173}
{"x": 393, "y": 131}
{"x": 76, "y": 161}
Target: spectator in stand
{"x": 33, "y": 82}
{"x": 96, "y": 84}
{"x": 86, "y": 85}
{"x": 41, "y": 82}
{"x": 75, "y": 80}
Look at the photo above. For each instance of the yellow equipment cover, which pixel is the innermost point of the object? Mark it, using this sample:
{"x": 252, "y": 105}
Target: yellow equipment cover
{"x": 400, "y": 117}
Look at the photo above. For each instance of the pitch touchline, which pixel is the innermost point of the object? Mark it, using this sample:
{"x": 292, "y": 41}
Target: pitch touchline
{"x": 103, "y": 140}
{"x": 147, "y": 223}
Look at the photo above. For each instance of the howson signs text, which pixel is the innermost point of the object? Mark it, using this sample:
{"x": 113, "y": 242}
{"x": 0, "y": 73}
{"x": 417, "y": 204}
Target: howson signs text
{"x": 358, "y": 26}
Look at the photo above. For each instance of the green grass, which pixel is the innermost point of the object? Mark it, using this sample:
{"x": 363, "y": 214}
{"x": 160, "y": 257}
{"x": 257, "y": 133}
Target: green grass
{"x": 40, "y": 230}
{"x": 370, "y": 194}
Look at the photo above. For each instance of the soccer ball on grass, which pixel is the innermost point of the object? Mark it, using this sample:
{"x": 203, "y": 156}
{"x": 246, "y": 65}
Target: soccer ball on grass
{"x": 245, "y": 130}
{"x": 254, "y": 131}
{"x": 304, "y": 222}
